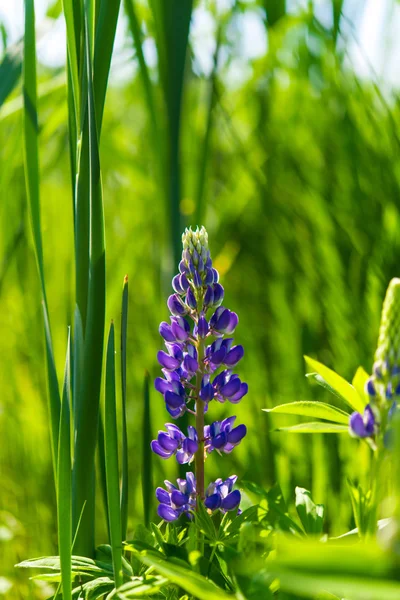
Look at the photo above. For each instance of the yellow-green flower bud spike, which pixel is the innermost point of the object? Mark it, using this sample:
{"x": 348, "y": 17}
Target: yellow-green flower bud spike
{"x": 387, "y": 355}
{"x": 195, "y": 245}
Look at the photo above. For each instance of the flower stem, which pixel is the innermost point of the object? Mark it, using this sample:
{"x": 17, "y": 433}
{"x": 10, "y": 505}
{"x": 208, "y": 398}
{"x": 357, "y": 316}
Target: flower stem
{"x": 199, "y": 457}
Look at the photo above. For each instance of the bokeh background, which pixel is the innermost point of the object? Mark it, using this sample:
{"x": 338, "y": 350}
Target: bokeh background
{"x": 278, "y": 130}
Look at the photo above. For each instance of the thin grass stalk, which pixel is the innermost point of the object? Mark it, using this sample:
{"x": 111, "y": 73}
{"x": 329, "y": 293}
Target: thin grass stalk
{"x": 64, "y": 512}
{"x": 32, "y": 175}
{"x": 147, "y": 459}
{"x": 124, "y": 474}
{"x": 111, "y": 460}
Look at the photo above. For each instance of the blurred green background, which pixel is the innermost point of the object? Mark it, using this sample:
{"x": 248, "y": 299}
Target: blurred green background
{"x": 265, "y": 132}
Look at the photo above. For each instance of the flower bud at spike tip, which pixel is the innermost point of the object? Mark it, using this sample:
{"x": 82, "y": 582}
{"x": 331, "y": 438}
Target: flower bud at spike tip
{"x": 388, "y": 351}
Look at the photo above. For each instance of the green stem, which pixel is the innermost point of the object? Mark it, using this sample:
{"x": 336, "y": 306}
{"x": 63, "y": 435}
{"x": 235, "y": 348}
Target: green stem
{"x": 199, "y": 456}
{"x": 375, "y": 489}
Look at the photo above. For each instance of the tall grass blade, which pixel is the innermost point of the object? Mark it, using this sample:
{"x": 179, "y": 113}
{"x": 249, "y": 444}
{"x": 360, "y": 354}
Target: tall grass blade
{"x": 124, "y": 474}
{"x": 87, "y": 403}
{"x": 64, "y": 484}
{"x": 106, "y": 26}
{"x": 73, "y": 55}
{"x": 31, "y": 157}
{"x": 111, "y": 456}
{"x": 147, "y": 469}
{"x": 172, "y": 21}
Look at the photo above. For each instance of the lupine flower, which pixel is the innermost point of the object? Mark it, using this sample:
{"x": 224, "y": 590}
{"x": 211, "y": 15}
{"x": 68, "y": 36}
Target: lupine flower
{"x": 219, "y": 495}
{"x": 174, "y": 442}
{"x": 177, "y": 499}
{"x": 181, "y": 498}
{"x": 197, "y": 366}
{"x": 362, "y": 426}
{"x": 222, "y": 436}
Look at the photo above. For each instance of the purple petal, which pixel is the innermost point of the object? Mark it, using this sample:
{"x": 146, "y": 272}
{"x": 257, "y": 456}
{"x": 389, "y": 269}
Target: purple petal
{"x": 166, "y": 332}
{"x": 180, "y": 334}
{"x": 226, "y": 424}
{"x": 230, "y": 389}
{"x": 369, "y": 420}
{"x": 218, "y": 357}
{"x": 184, "y": 282}
{"x": 213, "y": 502}
{"x": 190, "y": 446}
{"x": 218, "y": 293}
{"x": 369, "y": 387}
{"x": 167, "y": 442}
{"x": 175, "y": 305}
{"x": 234, "y": 356}
{"x": 357, "y": 425}
{"x": 161, "y": 385}
{"x": 174, "y": 431}
{"x": 163, "y": 496}
{"x": 207, "y": 393}
{"x": 190, "y": 364}
{"x": 242, "y": 392}
{"x": 190, "y": 482}
{"x": 176, "y": 284}
{"x": 158, "y": 449}
{"x": 167, "y": 512}
{"x": 231, "y": 501}
{"x": 216, "y": 275}
{"x": 178, "y": 498}
{"x": 173, "y": 400}
{"x": 168, "y": 362}
{"x": 237, "y": 434}
{"x": 209, "y": 278}
{"x": 219, "y": 441}
{"x": 182, "y": 267}
{"x": 208, "y": 297}
{"x": 202, "y": 327}
{"x": 190, "y": 299}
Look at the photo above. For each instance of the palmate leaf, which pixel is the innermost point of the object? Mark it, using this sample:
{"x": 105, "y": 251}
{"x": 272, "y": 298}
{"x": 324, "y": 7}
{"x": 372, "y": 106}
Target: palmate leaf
{"x": 184, "y": 577}
{"x": 359, "y": 381}
{"x": 139, "y": 587}
{"x": 315, "y": 427}
{"x": 337, "y": 384}
{"x": 78, "y": 564}
{"x": 319, "y": 410}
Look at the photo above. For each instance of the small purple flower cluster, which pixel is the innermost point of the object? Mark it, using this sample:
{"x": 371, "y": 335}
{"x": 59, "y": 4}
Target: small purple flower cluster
{"x": 197, "y": 368}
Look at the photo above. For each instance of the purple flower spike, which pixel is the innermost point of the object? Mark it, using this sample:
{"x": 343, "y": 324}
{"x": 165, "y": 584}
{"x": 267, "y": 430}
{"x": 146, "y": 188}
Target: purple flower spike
{"x": 200, "y": 347}
{"x": 175, "y": 305}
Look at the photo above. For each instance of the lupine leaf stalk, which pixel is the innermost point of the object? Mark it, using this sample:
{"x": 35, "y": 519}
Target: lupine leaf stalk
{"x": 197, "y": 369}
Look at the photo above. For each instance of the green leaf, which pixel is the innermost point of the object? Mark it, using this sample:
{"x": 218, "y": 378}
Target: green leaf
{"x": 342, "y": 387}
{"x": 359, "y": 381}
{"x": 319, "y": 410}
{"x": 10, "y": 70}
{"x": 190, "y": 581}
{"x": 79, "y": 563}
{"x": 311, "y": 514}
{"x": 204, "y": 522}
{"x": 140, "y": 587}
{"x": 64, "y": 514}
{"x": 315, "y": 427}
{"x": 111, "y": 460}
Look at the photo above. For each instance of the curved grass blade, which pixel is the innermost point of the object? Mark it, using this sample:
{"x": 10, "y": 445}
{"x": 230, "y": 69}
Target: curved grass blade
{"x": 342, "y": 387}
{"x": 111, "y": 460}
{"x": 315, "y": 427}
{"x": 318, "y": 410}
{"x": 31, "y": 158}
{"x": 64, "y": 513}
{"x": 124, "y": 473}
{"x": 10, "y": 70}
{"x": 147, "y": 459}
